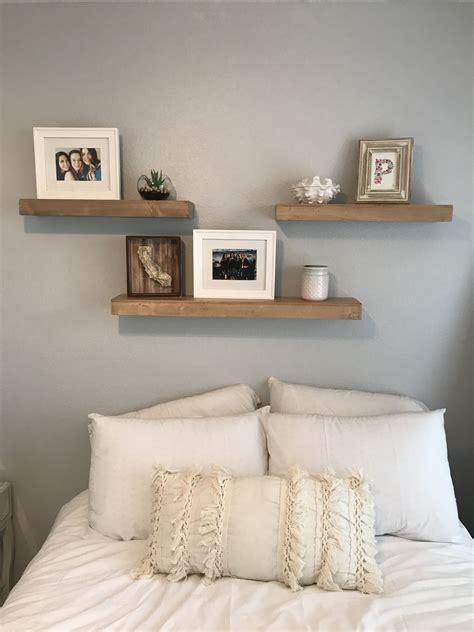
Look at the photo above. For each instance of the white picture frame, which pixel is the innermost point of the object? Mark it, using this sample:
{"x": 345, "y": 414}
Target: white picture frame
{"x": 234, "y": 264}
{"x": 99, "y": 153}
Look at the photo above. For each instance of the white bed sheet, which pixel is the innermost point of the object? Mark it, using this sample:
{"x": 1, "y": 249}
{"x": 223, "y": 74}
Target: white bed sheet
{"x": 79, "y": 581}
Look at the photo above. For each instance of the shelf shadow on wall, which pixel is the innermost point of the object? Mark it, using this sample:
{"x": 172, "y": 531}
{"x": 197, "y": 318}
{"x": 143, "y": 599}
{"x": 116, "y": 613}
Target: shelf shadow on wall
{"x": 52, "y": 225}
{"x": 457, "y": 230}
{"x": 246, "y": 328}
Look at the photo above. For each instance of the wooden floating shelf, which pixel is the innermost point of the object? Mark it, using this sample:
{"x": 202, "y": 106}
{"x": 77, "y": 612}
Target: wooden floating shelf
{"x": 108, "y": 208}
{"x": 365, "y": 212}
{"x": 187, "y": 306}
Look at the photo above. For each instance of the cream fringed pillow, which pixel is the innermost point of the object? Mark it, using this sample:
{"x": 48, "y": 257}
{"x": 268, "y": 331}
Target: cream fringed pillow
{"x": 301, "y": 530}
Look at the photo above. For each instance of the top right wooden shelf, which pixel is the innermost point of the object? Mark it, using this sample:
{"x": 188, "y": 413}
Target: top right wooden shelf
{"x": 365, "y": 212}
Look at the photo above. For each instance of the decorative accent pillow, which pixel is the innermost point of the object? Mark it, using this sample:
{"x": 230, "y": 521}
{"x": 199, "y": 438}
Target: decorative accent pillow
{"x": 404, "y": 456}
{"x": 299, "y": 399}
{"x": 123, "y": 452}
{"x": 299, "y": 531}
{"x": 237, "y": 399}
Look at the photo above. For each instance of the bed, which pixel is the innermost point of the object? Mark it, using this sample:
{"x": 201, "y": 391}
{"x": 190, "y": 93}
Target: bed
{"x": 79, "y": 581}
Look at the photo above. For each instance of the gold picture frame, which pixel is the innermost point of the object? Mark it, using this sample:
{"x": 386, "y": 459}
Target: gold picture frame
{"x": 385, "y": 170}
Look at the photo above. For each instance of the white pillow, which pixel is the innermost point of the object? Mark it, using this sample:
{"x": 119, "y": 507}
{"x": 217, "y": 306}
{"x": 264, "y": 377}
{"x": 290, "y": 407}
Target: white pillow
{"x": 298, "y": 531}
{"x": 313, "y": 400}
{"x": 237, "y": 399}
{"x": 124, "y": 452}
{"x": 230, "y": 400}
{"x": 404, "y": 457}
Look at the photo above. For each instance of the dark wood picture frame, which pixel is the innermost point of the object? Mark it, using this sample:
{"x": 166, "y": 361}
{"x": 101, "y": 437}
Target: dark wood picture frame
{"x": 162, "y": 258}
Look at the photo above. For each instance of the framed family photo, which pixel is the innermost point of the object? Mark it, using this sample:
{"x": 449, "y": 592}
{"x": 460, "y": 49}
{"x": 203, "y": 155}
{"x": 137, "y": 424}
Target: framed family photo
{"x": 385, "y": 170}
{"x": 236, "y": 264}
{"x": 153, "y": 266}
{"x": 77, "y": 163}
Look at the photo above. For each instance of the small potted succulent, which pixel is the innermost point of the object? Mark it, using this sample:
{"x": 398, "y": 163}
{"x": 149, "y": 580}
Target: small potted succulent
{"x": 156, "y": 186}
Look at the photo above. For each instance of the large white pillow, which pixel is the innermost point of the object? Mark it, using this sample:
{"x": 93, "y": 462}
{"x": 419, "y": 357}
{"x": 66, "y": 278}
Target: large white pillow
{"x": 300, "y": 531}
{"x": 314, "y": 400}
{"x": 404, "y": 457}
{"x": 124, "y": 452}
{"x": 230, "y": 400}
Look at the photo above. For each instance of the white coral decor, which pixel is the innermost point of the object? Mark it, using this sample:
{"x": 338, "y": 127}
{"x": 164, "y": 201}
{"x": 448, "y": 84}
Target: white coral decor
{"x": 315, "y": 190}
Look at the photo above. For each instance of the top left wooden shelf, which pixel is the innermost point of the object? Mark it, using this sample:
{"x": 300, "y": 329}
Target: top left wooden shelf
{"x": 108, "y": 208}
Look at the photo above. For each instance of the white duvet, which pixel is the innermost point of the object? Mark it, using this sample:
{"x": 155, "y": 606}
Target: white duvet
{"x": 79, "y": 581}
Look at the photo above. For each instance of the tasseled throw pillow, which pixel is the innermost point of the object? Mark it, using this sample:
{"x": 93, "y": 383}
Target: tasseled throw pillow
{"x": 300, "y": 530}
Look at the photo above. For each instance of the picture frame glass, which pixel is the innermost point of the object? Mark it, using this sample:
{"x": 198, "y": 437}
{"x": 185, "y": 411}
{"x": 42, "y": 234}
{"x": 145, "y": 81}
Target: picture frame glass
{"x": 234, "y": 264}
{"x": 384, "y": 170}
{"x": 61, "y": 155}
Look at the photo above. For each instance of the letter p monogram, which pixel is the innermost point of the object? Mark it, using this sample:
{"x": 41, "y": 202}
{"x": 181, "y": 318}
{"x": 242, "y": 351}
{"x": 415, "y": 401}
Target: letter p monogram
{"x": 379, "y": 169}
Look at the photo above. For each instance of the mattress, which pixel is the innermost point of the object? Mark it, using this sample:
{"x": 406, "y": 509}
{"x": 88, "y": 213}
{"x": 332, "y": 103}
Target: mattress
{"x": 79, "y": 581}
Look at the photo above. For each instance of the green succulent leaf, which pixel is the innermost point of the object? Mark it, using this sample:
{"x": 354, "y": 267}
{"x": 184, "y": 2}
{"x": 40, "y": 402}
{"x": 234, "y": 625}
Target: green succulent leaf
{"x": 156, "y": 181}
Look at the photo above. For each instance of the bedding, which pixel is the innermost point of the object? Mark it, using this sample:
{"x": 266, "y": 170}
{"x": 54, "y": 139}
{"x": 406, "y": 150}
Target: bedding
{"x": 298, "y": 530}
{"x": 314, "y": 400}
{"x": 236, "y": 399}
{"x": 124, "y": 451}
{"x": 403, "y": 455}
{"x": 79, "y": 582}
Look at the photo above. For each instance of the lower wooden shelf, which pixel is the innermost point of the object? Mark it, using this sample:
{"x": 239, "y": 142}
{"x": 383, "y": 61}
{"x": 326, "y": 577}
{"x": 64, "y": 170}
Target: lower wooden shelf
{"x": 190, "y": 307}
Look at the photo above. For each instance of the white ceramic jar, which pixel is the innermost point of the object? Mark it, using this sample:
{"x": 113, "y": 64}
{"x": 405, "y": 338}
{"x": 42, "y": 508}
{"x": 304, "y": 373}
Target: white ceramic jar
{"x": 315, "y": 283}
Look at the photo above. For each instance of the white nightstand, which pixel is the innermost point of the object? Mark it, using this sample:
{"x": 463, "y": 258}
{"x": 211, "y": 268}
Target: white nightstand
{"x": 6, "y": 533}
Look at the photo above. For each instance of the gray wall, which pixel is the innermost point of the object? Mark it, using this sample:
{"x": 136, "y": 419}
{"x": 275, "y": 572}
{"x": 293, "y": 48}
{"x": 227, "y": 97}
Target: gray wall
{"x": 236, "y": 102}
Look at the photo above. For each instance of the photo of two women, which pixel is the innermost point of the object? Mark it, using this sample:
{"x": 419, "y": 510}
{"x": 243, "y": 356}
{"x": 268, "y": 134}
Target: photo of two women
{"x": 81, "y": 164}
